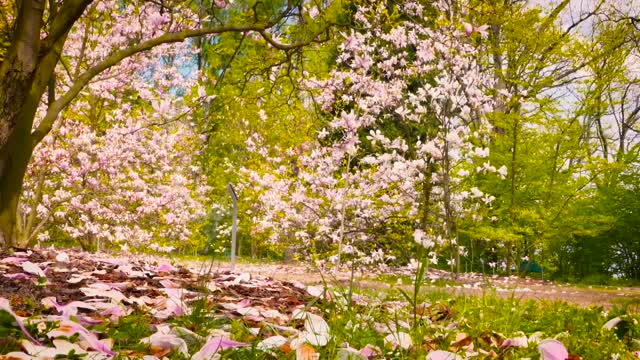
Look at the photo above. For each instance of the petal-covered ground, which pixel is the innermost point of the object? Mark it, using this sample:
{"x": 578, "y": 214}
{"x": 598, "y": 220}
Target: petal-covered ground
{"x": 70, "y": 304}
{"x": 61, "y": 296}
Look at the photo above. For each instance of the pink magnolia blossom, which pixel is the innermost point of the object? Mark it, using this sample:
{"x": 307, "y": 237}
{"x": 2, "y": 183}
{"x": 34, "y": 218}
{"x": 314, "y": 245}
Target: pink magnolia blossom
{"x": 214, "y": 345}
{"x": 68, "y": 328}
{"x": 551, "y": 349}
{"x": 343, "y": 188}
{"x": 117, "y": 183}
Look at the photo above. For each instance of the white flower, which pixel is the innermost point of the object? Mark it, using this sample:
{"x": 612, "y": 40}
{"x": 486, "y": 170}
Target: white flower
{"x": 502, "y": 171}
{"x": 481, "y": 152}
{"x": 476, "y": 193}
{"x": 421, "y": 238}
{"x": 323, "y": 133}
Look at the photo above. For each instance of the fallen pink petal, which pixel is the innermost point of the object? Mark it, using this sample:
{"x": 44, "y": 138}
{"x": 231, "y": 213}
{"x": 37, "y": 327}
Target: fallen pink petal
{"x": 68, "y": 328}
{"x": 214, "y": 345}
{"x": 551, "y": 349}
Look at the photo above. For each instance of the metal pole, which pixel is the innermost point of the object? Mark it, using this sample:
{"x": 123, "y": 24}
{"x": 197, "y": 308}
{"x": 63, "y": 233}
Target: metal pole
{"x": 234, "y": 229}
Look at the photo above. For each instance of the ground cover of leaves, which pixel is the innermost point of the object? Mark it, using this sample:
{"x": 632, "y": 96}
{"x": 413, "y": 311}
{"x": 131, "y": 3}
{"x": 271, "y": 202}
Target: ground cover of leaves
{"x": 67, "y": 304}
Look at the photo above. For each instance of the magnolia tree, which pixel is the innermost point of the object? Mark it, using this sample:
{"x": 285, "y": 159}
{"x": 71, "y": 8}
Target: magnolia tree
{"x": 81, "y": 42}
{"x": 118, "y": 167}
{"x": 361, "y": 178}
{"x": 131, "y": 185}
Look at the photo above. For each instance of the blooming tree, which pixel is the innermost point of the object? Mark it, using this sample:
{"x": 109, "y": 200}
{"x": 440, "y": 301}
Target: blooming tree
{"x": 119, "y": 167}
{"x": 363, "y": 175}
{"x": 43, "y": 48}
{"x": 132, "y": 185}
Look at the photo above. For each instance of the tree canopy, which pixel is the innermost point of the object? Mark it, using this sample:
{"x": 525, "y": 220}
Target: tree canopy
{"x": 471, "y": 133}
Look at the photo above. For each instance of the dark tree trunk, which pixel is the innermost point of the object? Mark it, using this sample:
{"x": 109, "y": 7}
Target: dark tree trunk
{"x": 15, "y": 153}
{"x": 25, "y": 74}
{"x": 19, "y": 97}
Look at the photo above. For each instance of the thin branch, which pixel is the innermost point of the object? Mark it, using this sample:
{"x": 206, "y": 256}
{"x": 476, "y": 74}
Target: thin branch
{"x": 63, "y": 21}
{"x": 115, "y": 58}
{"x": 233, "y": 56}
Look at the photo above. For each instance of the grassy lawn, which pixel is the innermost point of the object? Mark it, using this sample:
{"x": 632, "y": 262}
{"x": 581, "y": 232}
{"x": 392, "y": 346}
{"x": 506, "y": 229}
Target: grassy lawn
{"x": 241, "y": 316}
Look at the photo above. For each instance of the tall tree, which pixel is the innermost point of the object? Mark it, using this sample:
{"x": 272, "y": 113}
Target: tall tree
{"x": 37, "y": 47}
{"x": 361, "y": 181}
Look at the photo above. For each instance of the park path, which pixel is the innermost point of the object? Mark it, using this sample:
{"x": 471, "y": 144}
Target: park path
{"x": 467, "y": 284}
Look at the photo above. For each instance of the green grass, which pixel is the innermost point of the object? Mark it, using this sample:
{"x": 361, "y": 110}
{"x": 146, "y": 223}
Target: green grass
{"x": 483, "y": 319}
{"x": 441, "y": 319}
{"x": 487, "y": 317}
{"x": 128, "y": 331}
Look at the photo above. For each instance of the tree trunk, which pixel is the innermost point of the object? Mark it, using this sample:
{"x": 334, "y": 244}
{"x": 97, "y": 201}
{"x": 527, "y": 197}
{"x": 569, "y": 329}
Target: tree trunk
{"x": 14, "y": 157}
{"x": 16, "y": 152}
{"x": 19, "y": 97}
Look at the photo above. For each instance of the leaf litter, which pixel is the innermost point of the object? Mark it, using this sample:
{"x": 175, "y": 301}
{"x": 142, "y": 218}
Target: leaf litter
{"x": 64, "y": 303}
{"x": 56, "y": 296}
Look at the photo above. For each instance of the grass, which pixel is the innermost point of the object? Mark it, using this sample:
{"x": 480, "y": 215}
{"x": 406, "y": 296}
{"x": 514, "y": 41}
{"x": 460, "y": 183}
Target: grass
{"x": 129, "y": 330}
{"x": 443, "y": 322}
{"x": 485, "y": 321}
{"x": 432, "y": 317}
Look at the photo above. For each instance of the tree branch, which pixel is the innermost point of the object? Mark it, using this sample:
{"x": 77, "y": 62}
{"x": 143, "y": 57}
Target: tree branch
{"x": 68, "y": 14}
{"x": 54, "y": 109}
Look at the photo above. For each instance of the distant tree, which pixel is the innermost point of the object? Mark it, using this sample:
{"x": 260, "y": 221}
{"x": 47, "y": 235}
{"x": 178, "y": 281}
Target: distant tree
{"x": 364, "y": 179}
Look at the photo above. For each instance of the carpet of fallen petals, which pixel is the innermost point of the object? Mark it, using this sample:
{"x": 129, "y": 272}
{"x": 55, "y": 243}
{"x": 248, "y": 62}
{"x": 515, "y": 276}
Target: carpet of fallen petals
{"x": 76, "y": 291}
{"x": 60, "y": 304}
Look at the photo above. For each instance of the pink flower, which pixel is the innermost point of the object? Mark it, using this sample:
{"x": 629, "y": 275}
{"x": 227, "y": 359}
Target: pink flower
{"x": 68, "y": 328}
{"x": 520, "y": 341}
{"x": 443, "y": 355}
{"x": 215, "y": 344}
{"x": 17, "y": 276}
{"x": 482, "y": 30}
{"x": 13, "y": 260}
{"x": 551, "y": 349}
{"x": 468, "y": 28}
{"x": 165, "y": 267}
{"x": 370, "y": 350}
{"x": 71, "y": 309}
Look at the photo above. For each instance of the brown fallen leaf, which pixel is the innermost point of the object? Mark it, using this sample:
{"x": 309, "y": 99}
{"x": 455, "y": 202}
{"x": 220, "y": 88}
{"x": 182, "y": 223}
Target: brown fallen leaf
{"x": 307, "y": 352}
{"x": 286, "y": 348}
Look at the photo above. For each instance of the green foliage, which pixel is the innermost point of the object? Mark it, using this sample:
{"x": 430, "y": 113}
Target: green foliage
{"x": 201, "y": 319}
{"x": 9, "y": 334}
{"x": 129, "y": 330}
{"x": 258, "y": 92}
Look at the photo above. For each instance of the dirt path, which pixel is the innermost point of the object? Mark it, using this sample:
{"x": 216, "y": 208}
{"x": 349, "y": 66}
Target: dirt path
{"x": 467, "y": 284}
